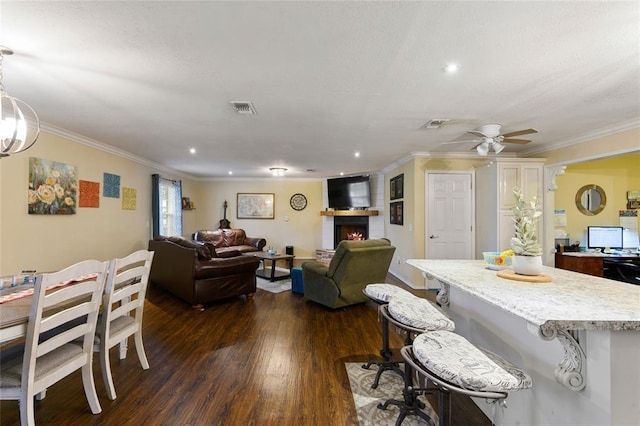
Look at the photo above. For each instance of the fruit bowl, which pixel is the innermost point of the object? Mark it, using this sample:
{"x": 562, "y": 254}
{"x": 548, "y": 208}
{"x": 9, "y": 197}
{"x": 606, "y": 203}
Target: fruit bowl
{"x": 497, "y": 260}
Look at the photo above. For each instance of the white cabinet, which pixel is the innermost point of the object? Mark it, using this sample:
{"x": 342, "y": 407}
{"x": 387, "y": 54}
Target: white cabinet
{"x": 495, "y": 182}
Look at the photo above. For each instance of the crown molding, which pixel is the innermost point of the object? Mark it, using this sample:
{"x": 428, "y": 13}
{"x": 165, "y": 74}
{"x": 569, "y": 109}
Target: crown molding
{"x": 83, "y": 140}
{"x": 600, "y": 133}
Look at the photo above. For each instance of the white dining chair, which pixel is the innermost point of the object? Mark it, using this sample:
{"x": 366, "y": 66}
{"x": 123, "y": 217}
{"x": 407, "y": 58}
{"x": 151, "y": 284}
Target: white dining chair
{"x": 59, "y": 339}
{"x": 122, "y": 309}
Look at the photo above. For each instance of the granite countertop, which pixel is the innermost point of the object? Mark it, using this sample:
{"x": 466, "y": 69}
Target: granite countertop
{"x": 572, "y": 301}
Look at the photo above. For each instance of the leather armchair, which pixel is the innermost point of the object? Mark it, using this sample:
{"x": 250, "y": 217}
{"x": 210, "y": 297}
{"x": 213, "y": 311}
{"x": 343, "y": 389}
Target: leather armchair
{"x": 354, "y": 265}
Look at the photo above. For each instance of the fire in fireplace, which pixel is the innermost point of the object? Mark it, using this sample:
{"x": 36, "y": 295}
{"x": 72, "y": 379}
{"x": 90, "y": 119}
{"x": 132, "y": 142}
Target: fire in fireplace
{"x": 350, "y": 228}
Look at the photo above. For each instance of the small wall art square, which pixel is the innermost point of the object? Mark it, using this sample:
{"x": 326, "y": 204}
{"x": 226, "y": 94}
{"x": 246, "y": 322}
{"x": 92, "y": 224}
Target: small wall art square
{"x": 129, "y": 196}
{"x": 111, "y": 185}
{"x": 89, "y": 194}
{"x": 53, "y": 187}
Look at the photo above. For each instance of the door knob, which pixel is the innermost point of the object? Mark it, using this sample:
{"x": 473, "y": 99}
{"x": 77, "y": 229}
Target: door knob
{"x": 433, "y": 236}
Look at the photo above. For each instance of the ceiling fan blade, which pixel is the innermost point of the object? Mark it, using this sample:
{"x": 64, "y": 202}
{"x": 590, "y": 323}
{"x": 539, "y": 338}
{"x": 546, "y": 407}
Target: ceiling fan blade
{"x": 463, "y": 141}
{"x": 518, "y": 141}
{"x": 520, "y": 133}
{"x": 477, "y": 133}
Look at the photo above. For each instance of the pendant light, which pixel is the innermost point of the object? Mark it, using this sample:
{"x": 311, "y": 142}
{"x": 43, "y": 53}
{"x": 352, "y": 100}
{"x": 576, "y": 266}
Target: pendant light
{"x": 19, "y": 123}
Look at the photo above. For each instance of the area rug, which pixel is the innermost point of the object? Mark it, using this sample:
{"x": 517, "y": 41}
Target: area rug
{"x": 274, "y": 287}
{"x": 367, "y": 399}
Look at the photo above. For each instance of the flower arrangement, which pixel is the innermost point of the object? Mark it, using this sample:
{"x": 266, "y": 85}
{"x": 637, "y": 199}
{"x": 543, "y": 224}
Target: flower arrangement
{"x": 525, "y": 242}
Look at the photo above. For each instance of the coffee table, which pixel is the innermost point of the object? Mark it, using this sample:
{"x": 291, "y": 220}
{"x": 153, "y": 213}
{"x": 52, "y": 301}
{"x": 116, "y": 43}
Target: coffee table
{"x": 271, "y": 273}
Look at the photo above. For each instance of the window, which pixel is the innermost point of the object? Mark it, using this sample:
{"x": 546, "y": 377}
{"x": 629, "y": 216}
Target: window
{"x": 167, "y": 207}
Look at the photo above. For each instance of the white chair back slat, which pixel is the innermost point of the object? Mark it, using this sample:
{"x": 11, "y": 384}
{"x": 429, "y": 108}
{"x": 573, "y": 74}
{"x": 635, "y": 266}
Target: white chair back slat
{"x": 69, "y": 314}
{"x": 62, "y": 338}
{"x": 76, "y": 290}
{"x": 125, "y": 309}
{"x": 126, "y": 292}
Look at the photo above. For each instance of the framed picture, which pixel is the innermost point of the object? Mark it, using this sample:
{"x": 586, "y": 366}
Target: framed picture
{"x": 255, "y": 206}
{"x": 395, "y": 213}
{"x": 396, "y": 187}
{"x": 392, "y": 214}
{"x": 400, "y": 186}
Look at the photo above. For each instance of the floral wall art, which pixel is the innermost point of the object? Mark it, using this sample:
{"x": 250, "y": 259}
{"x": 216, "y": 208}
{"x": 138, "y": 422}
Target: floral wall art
{"x": 53, "y": 187}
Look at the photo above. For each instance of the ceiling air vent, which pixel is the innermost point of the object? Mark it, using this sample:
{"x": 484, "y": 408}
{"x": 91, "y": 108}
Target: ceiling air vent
{"x": 435, "y": 123}
{"x": 244, "y": 107}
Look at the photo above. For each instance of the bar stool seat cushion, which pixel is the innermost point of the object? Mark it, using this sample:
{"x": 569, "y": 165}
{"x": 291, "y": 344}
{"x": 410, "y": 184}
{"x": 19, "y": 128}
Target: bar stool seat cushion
{"x": 419, "y": 313}
{"x": 453, "y": 358}
{"x": 383, "y": 293}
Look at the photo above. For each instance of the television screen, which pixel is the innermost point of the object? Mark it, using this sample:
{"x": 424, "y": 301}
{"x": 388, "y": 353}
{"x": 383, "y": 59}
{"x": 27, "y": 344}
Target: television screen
{"x": 601, "y": 237}
{"x": 353, "y": 192}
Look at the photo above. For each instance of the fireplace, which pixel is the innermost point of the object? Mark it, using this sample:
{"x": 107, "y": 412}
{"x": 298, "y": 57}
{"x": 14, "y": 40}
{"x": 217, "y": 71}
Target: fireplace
{"x": 350, "y": 228}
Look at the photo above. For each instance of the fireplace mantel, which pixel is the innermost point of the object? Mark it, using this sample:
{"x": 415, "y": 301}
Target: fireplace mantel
{"x": 349, "y": 213}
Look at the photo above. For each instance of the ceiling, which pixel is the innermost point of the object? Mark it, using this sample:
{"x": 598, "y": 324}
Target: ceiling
{"x": 327, "y": 79}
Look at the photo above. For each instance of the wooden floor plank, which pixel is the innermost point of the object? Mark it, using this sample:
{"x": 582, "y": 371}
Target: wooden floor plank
{"x": 276, "y": 359}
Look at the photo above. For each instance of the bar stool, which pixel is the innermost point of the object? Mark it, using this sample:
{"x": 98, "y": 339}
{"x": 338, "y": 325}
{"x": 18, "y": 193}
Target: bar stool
{"x": 412, "y": 315}
{"x": 381, "y": 294}
{"x": 453, "y": 364}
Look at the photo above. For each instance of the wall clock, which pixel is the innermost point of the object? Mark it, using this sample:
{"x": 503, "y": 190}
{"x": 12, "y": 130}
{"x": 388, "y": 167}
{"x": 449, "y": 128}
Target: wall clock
{"x": 298, "y": 202}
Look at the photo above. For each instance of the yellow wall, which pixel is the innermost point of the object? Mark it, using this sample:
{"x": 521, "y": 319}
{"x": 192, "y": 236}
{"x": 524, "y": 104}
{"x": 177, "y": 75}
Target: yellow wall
{"x": 615, "y": 175}
{"x": 300, "y": 229}
{"x": 47, "y": 243}
{"x": 409, "y": 239}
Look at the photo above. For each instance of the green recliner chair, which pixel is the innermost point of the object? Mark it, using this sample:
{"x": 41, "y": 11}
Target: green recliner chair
{"x": 354, "y": 265}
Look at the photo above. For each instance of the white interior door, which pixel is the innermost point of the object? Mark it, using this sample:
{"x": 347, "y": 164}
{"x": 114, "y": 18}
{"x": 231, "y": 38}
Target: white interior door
{"x": 449, "y": 233}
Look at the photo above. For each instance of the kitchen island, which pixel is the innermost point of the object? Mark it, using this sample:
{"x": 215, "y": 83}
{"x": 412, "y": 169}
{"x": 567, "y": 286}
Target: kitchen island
{"x": 578, "y": 336}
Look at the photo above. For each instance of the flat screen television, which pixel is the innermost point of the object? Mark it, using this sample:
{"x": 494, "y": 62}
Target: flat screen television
{"x": 601, "y": 237}
{"x": 352, "y": 192}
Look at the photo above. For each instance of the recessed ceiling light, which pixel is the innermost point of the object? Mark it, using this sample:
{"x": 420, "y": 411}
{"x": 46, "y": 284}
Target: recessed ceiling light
{"x": 451, "y": 68}
{"x": 192, "y": 150}
{"x": 341, "y": 173}
{"x": 230, "y": 172}
{"x": 356, "y": 154}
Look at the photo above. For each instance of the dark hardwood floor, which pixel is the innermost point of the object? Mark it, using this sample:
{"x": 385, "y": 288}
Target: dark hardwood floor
{"x": 274, "y": 359}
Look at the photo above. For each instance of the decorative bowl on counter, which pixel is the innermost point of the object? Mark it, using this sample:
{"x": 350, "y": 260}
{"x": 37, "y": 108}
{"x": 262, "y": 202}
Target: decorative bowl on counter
{"x": 497, "y": 260}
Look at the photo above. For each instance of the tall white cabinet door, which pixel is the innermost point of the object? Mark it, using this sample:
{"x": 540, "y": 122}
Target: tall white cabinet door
{"x": 531, "y": 181}
{"x": 506, "y": 230}
{"x": 508, "y": 178}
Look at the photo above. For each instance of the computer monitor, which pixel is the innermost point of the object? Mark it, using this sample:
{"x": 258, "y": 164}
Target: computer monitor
{"x": 601, "y": 237}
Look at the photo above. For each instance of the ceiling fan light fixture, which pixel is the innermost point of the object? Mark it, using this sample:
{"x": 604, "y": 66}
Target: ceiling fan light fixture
{"x": 19, "y": 123}
{"x": 277, "y": 171}
{"x": 497, "y": 147}
{"x": 483, "y": 148}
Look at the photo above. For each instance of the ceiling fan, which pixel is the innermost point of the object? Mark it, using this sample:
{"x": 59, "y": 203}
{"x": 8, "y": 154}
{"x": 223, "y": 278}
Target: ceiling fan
{"x": 491, "y": 139}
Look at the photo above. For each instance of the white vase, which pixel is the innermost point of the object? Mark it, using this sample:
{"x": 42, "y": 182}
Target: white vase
{"x": 527, "y": 265}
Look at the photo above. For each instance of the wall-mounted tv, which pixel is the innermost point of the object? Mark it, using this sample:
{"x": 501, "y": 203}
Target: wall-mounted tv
{"x": 352, "y": 192}
{"x": 601, "y": 237}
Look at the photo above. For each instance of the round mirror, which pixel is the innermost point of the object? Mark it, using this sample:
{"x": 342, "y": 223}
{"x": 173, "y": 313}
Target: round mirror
{"x": 591, "y": 199}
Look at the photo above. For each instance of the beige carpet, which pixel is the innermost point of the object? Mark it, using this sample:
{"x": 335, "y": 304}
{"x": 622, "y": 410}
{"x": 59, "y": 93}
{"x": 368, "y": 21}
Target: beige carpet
{"x": 367, "y": 399}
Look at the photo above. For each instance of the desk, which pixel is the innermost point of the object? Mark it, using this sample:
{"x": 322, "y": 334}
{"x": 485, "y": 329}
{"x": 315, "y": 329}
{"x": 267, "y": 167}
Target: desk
{"x": 596, "y": 264}
{"x": 591, "y": 324}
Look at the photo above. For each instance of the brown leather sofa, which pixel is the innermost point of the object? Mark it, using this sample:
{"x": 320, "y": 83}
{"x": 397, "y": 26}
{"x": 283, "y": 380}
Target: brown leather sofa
{"x": 230, "y": 240}
{"x": 195, "y": 273}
